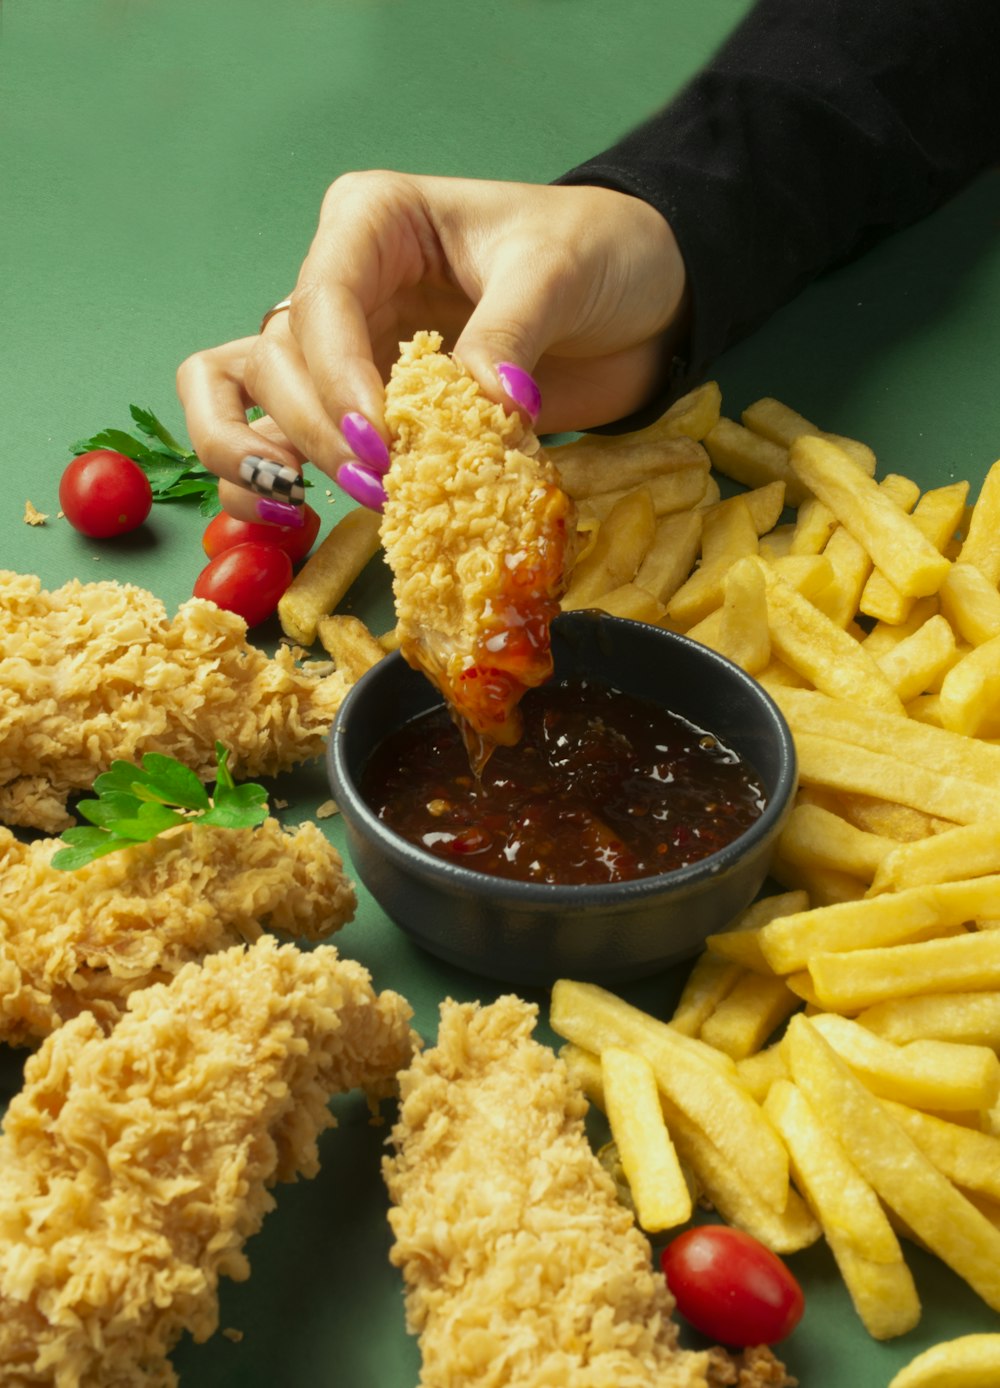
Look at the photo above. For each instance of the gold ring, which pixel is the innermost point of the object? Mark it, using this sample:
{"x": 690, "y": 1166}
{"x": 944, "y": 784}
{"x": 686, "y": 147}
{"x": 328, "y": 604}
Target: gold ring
{"x": 278, "y": 308}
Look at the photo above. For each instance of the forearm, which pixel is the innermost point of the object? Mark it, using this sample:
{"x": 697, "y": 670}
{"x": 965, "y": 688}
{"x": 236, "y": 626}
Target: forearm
{"x": 817, "y": 128}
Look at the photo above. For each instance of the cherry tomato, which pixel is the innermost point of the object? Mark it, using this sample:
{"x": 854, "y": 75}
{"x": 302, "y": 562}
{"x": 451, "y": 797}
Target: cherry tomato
{"x": 247, "y": 579}
{"x": 103, "y": 493}
{"x": 732, "y": 1288}
{"x": 223, "y": 531}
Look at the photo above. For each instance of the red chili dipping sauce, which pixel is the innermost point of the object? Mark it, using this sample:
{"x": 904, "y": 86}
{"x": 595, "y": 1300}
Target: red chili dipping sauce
{"x": 602, "y": 787}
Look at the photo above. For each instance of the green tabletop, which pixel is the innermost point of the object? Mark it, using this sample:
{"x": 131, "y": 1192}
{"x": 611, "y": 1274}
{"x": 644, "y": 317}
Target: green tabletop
{"x": 161, "y": 167}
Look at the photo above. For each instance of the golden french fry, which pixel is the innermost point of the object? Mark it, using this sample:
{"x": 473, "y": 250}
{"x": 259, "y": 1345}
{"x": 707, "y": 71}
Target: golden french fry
{"x": 970, "y": 1361}
{"x": 669, "y": 492}
{"x": 981, "y": 546}
{"x": 945, "y": 1076}
{"x": 328, "y": 573}
{"x": 814, "y": 524}
{"x": 594, "y": 464}
{"x": 856, "y": 1227}
{"x": 816, "y": 837}
{"x": 946, "y": 1222}
{"x": 694, "y": 414}
{"x": 852, "y": 981}
{"x": 825, "y": 886}
{"x": 353, "y": 647}
{"x": 659, "y": 1191}
{"x": 671, "y": 555}
{"x": 971, "y": 1017}
{"x": 711, "y": 1096}
{"x": 896, "y": 545}
{"x": 970, "y": 691}
{"x": 758, "y": 1072}
{"x": 627, "y": 600}
{"x": 851, "y": 562}
{"x": 749, "y": 1013}
{"x": 741, "y": 943}
{"x": 710, "y": 979}
{"x": 775, "y": 421}
{"x": 744, "y": 635}
{"x": 728, "y": 530}
{"x": 971, "y": 604}
{"x": 884, "y": 635}
{"x": 971, "y": 850}
{"x": 917, "y": 663}
{"x": 764, "y": 504}
{"x": 622, "y": 541}
{"x": 746, "y": 457}
{"x": 937, "y": 515}
{"x": 389, "y": 641}
{"x": 777, "y": 543}
{"x": 969, "y": 1158}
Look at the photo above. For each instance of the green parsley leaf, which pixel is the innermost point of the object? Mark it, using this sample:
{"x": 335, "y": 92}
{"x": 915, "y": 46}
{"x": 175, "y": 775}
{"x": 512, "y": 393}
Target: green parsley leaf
{"x": 137, "y": 803}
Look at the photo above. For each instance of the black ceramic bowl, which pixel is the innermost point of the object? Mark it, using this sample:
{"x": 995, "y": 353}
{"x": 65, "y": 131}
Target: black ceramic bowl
{"x": 531, "y": 933}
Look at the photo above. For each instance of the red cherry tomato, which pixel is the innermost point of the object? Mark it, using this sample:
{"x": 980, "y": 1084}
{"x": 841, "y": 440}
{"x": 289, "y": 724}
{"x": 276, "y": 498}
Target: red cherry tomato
{"x": 732, "y": 1288}
{"x": 223, "y": 531}
{"x": 103, "y": 493}
{"x": 247, "y": 579}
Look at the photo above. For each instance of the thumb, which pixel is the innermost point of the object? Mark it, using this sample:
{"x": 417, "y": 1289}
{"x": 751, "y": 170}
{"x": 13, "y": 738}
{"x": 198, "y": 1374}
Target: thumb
{"x": 510, "y": 329}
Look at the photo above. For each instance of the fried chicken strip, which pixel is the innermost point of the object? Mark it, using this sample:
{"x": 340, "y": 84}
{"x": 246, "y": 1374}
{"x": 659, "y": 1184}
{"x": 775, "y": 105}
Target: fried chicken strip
{"x": 134, "y": 1166}
{"x": 91, "y": 672}
{"x": 478, "y": 535}
{"x": 84, "y": 941}
{"x": 521, "y": 1266}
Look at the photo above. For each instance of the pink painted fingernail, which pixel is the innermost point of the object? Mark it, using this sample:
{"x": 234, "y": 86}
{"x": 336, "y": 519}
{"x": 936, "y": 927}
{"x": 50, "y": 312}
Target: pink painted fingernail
{"x": 362, "y": 484}
{"x": 365, "y": 442}
{"x": 522, "y": 388}
{"x": 280, "y": 513}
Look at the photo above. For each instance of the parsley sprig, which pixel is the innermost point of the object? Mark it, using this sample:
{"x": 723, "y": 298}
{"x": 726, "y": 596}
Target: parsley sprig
{"x": 136, "y": 803}
{"x": 173, "y": 469}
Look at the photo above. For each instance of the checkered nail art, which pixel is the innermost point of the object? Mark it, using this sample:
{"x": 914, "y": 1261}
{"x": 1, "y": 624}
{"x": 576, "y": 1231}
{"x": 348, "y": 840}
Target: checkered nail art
{"x": 275, "y": 480}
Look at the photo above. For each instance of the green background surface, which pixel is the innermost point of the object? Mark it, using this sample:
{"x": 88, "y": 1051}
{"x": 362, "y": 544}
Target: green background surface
{"x": 161, "y": 168}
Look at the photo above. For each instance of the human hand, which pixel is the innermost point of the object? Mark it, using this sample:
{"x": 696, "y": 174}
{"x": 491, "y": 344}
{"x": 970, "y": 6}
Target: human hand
{"x": 563, "y": 302}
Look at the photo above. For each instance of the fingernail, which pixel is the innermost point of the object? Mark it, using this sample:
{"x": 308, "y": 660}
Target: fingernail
{"x": 280, "y": 513}
{"x": 522, "y": 388}
{"x": 365, "y": 442}
{"x": 362, "y": 484}
{"x": 271, "y": 479}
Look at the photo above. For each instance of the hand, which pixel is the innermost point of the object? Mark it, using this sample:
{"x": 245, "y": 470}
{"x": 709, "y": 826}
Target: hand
{"x": 581, "y": 287}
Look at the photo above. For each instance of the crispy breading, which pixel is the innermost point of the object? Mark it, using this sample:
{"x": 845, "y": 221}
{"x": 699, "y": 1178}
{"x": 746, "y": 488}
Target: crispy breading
{"x": 478, "y": 535}
{"x": 91, "y": 672}
{"x": 521, "y": 1266}
{"x": 134, "y": 1166}
{"x": 83, "y": 941}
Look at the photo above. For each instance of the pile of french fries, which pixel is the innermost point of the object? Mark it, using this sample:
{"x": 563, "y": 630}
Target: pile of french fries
{"x": 831, "y": 1069}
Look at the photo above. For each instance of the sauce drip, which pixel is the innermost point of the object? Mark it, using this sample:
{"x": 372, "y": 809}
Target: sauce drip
{"x": 602, "y": 787}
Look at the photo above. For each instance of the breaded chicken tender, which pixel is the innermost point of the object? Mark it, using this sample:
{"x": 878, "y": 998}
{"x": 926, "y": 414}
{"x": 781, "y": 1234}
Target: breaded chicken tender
{"x": 478, "y": 535}
{"x": 91, "y": 672}
{"x": 84, "y": 941}
{"x": 521, "y": 1266}
{"x": 134, "y": 1166}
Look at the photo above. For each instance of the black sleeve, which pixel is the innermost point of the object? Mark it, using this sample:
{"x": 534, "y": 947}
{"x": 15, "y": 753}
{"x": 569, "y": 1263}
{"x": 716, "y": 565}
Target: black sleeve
{"x": 818, "y": 127}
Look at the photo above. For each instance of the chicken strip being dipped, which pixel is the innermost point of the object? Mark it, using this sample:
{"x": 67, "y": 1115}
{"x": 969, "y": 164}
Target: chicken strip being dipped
{"x": 134, "y": 1166}
{"x": 91, "y": 672}
{"x": 82, "y": 941}
{"x": 521, "y": 1266}
{"x": 478, "y": 534}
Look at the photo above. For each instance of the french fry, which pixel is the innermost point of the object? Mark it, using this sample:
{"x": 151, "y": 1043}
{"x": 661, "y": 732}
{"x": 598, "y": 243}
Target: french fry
{"x": 777, "y": 543}
{"x": 939, "y": 1215}
{"x": 970, "y": 1017}
{"x": 893, "y": 918}
{"x": 825, "y": 886}
{"x": 622, "y": 541}
{"x": 744, "y": 635}
{"x": 814, "y": 524}
{"x": 851, "y": 562}
{"x": 764, "y": 504}
{"x": 945, "y": 1076}
{"x": 815, "y": 837}
{"x": 775, "y": 421}
{"x": 972, "y": 850}
{"x": 853, "y": 981}
{"x": 328, "y": 573}
{"x": 694, "y": 414}
{"x": 728, "y": 531}
{"x": 970, "y": 1361}
{"x": 917, "y": 663}
{"x": 968, "y": 1158}
{"x": 671, "y": 555}
{"x": 710, "y": 979}
{"x": 659, "y": 1191}
{"x": 711, "y": 1097}
{"x": 885, "y": 635}
{"x": 758, "y": 1072}
{"x": 749, "y": 1013}
{"x": 971, "y": 604}
{"x": 981, "y": 546}
{"x": 627, "y": 600}
{"x": 669, "y": 492}
{"x": 970, "y": 691}
{"x": 897, "y": 547}
{"x": 937, "y": 515}
{"x": 595, "y": 464}
{"x": 353, "y": 647}
{"x": 741, "y": 943}
{"x": 856, "y": 1227}
{"x": 743, "y": 456}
